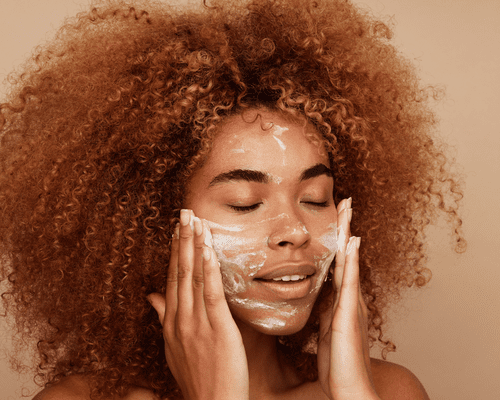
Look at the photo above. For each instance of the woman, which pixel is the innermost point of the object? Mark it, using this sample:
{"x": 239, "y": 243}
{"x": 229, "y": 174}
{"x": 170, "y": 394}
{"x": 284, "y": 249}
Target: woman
{"x": 146, "y": 146}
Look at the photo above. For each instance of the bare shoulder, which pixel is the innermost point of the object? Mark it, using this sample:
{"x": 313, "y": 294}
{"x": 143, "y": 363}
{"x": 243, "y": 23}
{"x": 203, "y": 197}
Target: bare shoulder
{"x": 395, "y": 382}
{"x": 77, "y": 388}
{"x": 70, "y": 388}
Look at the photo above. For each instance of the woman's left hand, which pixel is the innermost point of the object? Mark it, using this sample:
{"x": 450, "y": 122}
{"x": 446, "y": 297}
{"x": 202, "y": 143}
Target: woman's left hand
{"x": 343, "y": 351}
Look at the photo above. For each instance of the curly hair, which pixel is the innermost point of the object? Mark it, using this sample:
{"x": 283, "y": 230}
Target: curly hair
{"x": 106, "y": 123}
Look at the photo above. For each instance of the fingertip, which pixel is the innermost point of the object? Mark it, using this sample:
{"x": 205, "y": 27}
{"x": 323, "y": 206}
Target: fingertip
{"x": 208, "y": 240}
{"x": 342, "y": 205}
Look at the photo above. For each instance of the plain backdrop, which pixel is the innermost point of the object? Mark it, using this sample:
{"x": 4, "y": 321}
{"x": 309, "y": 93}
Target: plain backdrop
{"x": 447, "y": 333}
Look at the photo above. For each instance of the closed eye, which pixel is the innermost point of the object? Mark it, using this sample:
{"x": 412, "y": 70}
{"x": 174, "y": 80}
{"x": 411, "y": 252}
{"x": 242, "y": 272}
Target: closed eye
{"x": 323, "y": 204}
{"x": 252, "y": 207}
{"x": 245, "y": 208}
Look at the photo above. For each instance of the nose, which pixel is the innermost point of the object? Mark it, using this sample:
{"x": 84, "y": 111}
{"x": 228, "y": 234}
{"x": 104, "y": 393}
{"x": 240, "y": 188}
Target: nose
{"x": 288, "y": 231}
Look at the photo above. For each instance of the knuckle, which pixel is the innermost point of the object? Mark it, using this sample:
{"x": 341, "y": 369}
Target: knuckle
{"x": 183, "y": 271}
{"x": 186, "y": 234}
{"x": 198, "y": 281}
{"x": 172, "y": 278}
{"x": 212, "y": 299}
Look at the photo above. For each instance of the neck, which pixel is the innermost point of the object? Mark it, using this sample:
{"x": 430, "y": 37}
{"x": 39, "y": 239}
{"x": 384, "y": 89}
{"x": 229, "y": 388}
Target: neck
{"x": 268, "y": 373}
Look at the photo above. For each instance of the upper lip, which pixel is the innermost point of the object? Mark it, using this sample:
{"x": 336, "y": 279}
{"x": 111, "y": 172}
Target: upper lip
{"x": 286, "y": 269}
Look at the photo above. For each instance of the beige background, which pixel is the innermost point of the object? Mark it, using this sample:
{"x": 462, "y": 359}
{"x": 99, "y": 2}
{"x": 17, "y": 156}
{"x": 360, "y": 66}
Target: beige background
{"x": 448, "y": 333}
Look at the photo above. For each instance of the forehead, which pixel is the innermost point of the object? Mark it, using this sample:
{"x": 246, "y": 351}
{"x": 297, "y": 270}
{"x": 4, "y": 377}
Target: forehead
{"x": 266, "y": 141}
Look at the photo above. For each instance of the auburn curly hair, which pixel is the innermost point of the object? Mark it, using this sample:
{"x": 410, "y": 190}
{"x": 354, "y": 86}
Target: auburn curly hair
{"x": 105, "y": 124}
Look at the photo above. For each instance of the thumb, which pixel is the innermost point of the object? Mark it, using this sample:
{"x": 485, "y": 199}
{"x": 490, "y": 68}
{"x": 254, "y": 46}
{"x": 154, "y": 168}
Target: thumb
{"x": 158, "y": 303}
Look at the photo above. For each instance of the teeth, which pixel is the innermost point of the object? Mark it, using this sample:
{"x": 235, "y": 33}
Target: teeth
{"x": 290, "y": 278}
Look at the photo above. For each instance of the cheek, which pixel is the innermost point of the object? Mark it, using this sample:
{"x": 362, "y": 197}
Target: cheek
{"x": 326, "y": 254}
{"x": 241, "y": 254}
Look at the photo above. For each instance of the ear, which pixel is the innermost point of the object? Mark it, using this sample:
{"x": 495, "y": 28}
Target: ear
{"x": 158, "y": 303}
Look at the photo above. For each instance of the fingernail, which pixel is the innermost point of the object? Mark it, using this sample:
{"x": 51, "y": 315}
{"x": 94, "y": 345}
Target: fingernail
{"x": 197, "y": 226}
{"x": 191, "y": 220}
{"x": 208, "y": 235}
{"x": 185, "y": 217}
{"x": 353, "y": 243}
{"x": 349, "y": 202}
{"x": 358, "y": 243}
{"x": 176, "y": 231}
{"x": 349, "y": 214}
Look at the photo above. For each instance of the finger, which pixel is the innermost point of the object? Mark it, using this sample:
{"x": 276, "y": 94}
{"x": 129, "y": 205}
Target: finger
{"x": 363, "y": 318}
{"x": 185, "y": 267}
{"x": 344, "y": 232}
{"x": 349, "y": 290}
{"x": 215, "y": 301}
{"x": 171, "y": 290}
{"x": 199, "y": 311}
{"x": 366, "y": 343}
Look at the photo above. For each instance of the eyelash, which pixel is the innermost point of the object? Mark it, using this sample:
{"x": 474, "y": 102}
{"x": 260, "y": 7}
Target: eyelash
{"x": 245, "y": 208}
{"x": 323, "y": 204}
{"x": 252, "y": 207}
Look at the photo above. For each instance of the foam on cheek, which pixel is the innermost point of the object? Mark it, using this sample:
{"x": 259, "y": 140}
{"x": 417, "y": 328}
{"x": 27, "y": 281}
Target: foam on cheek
{"x": 239, "y": 252}
{"x": 240, "y": 255}
{"x": 329, "y": 241}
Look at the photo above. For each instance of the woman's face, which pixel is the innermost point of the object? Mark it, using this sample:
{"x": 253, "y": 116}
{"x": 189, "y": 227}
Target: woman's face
{"x": 267, "y": 194}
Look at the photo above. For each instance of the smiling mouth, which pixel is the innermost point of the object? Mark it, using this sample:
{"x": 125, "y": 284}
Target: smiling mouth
{"x": 288, "y": 278}
{"x": 288, "y": 287}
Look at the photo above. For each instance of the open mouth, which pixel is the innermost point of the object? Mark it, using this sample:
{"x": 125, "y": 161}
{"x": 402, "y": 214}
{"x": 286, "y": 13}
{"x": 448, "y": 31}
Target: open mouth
{"x": 288, "y": 287}
{"x": 286, "y": 279}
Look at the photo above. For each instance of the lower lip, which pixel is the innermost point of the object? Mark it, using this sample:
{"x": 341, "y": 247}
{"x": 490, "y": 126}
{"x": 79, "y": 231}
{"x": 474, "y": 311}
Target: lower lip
{"x": 289, "y": 290}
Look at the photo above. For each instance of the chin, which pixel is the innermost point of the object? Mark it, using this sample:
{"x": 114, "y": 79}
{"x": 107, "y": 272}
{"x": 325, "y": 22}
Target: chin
{"x": 272, "y": 322}
{"x": 279, "y": 330}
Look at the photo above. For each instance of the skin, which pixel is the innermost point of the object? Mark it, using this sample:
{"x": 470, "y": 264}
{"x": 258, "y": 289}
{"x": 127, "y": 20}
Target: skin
{"x": 216, "y": 343}
{"x": 271, "y": 220}
{"x": 261, "y": 224}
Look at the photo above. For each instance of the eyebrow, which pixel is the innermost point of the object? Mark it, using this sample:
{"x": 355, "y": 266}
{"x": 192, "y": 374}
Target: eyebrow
{"x": 249, "y": 175}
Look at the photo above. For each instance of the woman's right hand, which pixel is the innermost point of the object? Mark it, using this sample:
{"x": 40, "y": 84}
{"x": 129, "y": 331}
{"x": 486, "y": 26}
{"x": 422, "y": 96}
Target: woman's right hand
{"x": 203, "y": 345}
